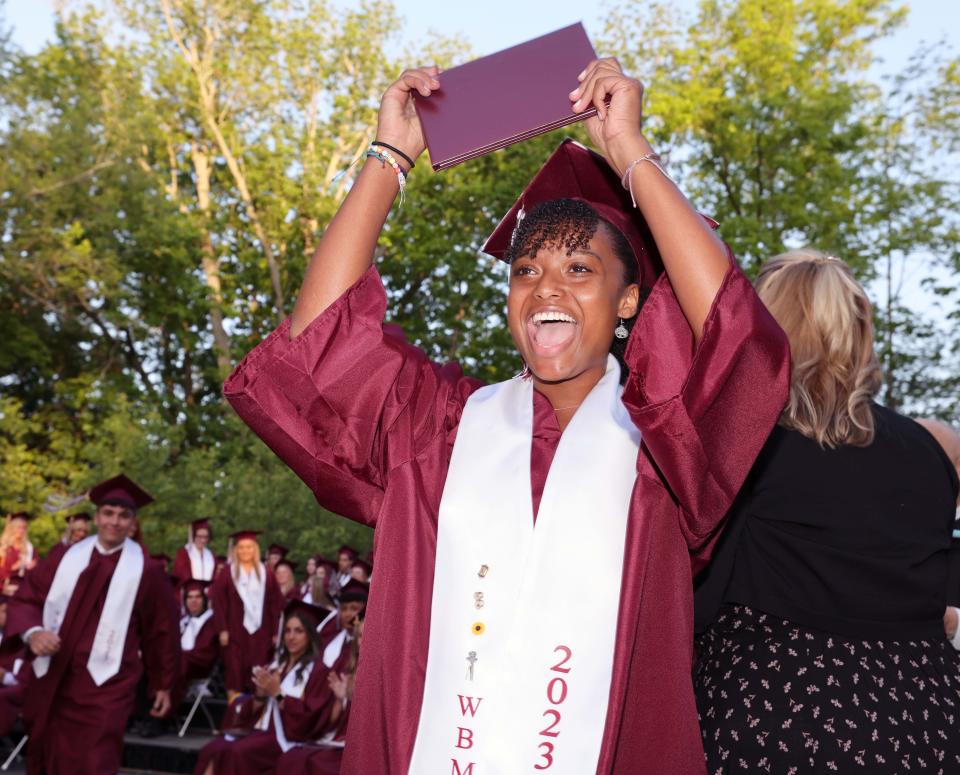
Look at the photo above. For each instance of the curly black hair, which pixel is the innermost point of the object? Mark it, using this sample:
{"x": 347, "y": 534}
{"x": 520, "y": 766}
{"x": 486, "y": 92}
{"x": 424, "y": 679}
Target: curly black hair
{"x": 570, "y": 224}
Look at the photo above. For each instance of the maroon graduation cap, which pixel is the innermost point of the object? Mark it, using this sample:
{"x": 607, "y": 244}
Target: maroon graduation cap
{"x": 278, "y": 549}
{"x": 194, "y": 585}
{"x": 242, "y": 534}
{"x": 197, "y": 524}
{"x": 119, "y": 491}
{"x": 79, "y": 515}
{"x": 313, "y": 614}
{"x": 291, "y": 564}
{"x": 348, "y": 550}
{"x": 354, "y": 591}
{"x": 24, "y": 515}
{"x": 575, "y": 172}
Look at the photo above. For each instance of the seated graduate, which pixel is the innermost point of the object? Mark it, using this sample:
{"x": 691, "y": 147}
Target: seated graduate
{"x": 199, "y": 639}
{"x": 353, "y": 603}
{"x": 291, "y": 703}
{"x": 246, "y": 609}
{"x": 470, "y": 487}
{"x": 14, "y": 674}
{"x": 324, "y": 755}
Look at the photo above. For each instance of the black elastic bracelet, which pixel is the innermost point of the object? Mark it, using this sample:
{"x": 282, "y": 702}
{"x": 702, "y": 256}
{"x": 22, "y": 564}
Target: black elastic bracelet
{"x": 397, "y": 151}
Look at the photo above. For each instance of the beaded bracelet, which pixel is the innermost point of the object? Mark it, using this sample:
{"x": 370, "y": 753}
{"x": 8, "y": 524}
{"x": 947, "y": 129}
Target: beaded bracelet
{"x": 386, "y": 157}
{"x": 654, "y": 159}
{"x": 397, "y": 151}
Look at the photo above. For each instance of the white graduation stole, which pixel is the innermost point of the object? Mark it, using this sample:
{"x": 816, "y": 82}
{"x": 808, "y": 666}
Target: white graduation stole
{"x": 290, "y": 686}
{"x": 201, "y": 563}
{"x": 523, "y": 681}
{"x": 111, "y": 635}
{"x": 190, "y": 627}
{"x": 251, "y": 596}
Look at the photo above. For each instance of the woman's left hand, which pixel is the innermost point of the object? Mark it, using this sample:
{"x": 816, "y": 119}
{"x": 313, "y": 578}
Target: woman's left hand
{"x": 616, "y": 129}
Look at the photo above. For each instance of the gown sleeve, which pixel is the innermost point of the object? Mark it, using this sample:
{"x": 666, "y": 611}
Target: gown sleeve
{"x": 343, "y": 403}
{"x": 25, "y": 609}
{"x": 705, "y": 410}
{"x": 306, "y": 717}
{"x": 160, "y": 633}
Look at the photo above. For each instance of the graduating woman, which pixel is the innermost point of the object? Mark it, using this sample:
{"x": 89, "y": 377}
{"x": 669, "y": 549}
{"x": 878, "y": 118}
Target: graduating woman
{"x": 17, "y": 555}
{"x": 194, "y": 560}
{"x": 247, "y": 604}
{"x": 482, "y": 650}
{"x": 823, "y": 646}
{"x": 291, "y": 702}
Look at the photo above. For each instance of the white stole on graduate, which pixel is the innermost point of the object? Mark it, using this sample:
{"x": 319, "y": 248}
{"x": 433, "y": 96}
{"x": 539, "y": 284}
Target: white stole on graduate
{"x": 190, "y": 627}
{"x": 290, "y": 686}
{"x": 525, "y": 679}
{"x": 201, "y": 563}
{"x": 252, "y": 594}
{"x": 332, "y": 652}
{"x": 111, "y": 635}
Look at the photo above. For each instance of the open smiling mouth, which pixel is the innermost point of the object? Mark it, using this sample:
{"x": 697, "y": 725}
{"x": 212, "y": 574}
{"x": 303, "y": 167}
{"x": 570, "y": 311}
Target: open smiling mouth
{"x": 551, "y": 331}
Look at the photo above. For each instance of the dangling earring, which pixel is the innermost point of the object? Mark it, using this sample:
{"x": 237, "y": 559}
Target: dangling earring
{"x": 621, "y": 331}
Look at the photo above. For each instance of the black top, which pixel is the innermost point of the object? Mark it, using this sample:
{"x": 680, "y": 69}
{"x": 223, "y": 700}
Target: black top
{"x": 851, "y": 540}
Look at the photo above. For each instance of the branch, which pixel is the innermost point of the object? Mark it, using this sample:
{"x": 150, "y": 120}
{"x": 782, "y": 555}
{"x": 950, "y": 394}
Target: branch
{"x": 38, "y": 192}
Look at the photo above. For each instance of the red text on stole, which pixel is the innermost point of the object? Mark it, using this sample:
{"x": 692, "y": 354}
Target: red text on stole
{"x": 464, "y": 734}
{"x": 556, "y": 694}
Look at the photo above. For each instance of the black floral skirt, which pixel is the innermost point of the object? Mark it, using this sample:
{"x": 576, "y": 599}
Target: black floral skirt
{"x": 779, "y": 698}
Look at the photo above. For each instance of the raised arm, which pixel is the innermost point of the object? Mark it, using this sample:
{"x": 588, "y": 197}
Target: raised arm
{"x": 346, "y": 250}
{"x": 695, "y": 259}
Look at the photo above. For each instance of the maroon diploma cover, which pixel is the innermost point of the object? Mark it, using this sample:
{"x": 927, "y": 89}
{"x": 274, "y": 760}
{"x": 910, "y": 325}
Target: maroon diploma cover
{"x": 501, "y": 99}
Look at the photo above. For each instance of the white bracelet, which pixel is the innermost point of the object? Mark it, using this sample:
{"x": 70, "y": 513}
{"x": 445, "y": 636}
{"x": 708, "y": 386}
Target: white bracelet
{"x": 654, "y": 159}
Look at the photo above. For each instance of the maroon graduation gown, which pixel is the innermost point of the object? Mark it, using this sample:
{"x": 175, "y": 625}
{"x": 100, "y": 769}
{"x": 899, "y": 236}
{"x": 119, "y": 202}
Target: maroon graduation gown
{"x": 76, "y": 726}
{"x": 11, "y": 696}
{"x": 244, "y": 650}
{"x": 368, "y": 423}
{"x": 303, "y": 718}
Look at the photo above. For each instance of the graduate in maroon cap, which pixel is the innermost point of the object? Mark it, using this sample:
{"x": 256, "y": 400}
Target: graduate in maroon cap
{"x": 291, "y": 701}
{"x": 342, "y": 573}
{"x": 275, "y": 553}
{"x": 194, "y": 560}
{"x": 78, "y": 528}
{"x": 285, "y": 573}
{"x": 246, "y": 610}
{"x": 653, "y": 375}
{"x": 199, "y": 639}
{"x": 95, "y": 616}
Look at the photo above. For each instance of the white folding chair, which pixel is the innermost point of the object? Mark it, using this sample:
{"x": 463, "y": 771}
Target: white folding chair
{"x": 200, "y": 690}
{"x": 13, "y": 755}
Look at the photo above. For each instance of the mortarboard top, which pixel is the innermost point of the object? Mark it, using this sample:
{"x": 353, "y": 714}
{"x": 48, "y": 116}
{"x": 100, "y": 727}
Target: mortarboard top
{"x": 348, "y": 550}
{"x": 161, "y": 557}
{"x": 25, "y": 516}
{"x": 222, "y": 558}
{"x": 575, "y": 172}
{"x": 278, "y": 549}
{"x": 354, "y": 591}
{"x": 358, "y": 563}
{"x": 199, "y": 523}
{"x": 195, "y": 585}
{"x": 291, "y": 564}
{"x": 312, "y": 613}
{"x": 79, "y": 515}
{"x": 241, "y": 534}
{"x": 119, "y": 491}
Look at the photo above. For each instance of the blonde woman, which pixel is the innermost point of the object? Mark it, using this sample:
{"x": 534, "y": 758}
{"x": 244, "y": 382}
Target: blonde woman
{"x": 247, "y": 604}
{"x": 822, "y": 645}
{"x": 16, "y": 552}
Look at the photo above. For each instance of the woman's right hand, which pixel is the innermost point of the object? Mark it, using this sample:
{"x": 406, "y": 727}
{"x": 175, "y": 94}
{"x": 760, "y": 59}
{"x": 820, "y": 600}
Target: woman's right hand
{"x": 398, "y": 124}
{"x": 224, "y": 638}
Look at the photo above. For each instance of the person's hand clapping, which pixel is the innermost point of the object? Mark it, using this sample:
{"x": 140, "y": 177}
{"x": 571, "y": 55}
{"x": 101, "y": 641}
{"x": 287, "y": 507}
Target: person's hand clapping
{"x": 616, "y": 129}
{"x": 266, "y": 682}
{"x": 44, "y": 644}
{"x": 398, "y": 124}
{"x": 339, "y": 685}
